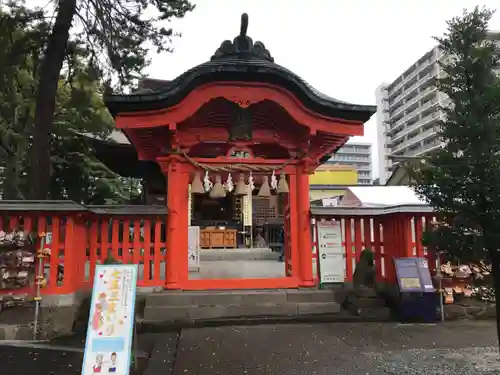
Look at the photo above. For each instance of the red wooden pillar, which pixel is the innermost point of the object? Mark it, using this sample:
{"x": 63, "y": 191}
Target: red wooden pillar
{"x": 304, "y": 227}
{"x": 177, "y": 222}
{"x": 293, "y": 226}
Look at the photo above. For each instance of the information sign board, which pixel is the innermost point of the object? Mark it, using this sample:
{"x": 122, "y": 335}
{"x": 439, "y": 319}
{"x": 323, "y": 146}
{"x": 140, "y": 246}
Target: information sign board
{"x": 330, "y": 252}
{"x": 413, "y": 275}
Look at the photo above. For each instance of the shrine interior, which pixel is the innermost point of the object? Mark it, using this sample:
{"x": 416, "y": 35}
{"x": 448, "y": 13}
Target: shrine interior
{"x": 226, "y": 215}
{"x": 215, "y": 212}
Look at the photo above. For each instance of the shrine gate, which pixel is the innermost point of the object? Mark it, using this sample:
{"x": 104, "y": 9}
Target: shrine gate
{"x": 240, "y": 114}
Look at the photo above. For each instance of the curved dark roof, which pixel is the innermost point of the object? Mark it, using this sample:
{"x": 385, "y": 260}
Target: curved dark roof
{"x": 239, "y": 60}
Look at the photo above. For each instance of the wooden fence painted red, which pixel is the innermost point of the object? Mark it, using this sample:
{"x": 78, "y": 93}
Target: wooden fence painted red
{"x": 83, "y": 236}
{"x": 130, "y": 240}
{"x": 387, "y": 236}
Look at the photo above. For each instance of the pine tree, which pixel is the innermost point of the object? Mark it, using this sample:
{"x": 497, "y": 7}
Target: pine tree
{"x": 76, "y": 174}
{"x": 116, "y": 34}
{"x": 461, "y": 180}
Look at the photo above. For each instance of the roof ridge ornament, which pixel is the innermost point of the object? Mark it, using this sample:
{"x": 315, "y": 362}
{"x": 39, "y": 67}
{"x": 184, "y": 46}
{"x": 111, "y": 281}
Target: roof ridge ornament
{"x": 244, "y": 25}
{"x": 242, "y": 46}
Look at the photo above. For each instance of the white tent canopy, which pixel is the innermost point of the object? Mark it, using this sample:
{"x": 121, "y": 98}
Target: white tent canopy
{"x": 380, "y": 196}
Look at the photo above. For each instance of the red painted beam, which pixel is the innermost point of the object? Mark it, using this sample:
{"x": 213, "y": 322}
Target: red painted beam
{"x": 239, "y": 92}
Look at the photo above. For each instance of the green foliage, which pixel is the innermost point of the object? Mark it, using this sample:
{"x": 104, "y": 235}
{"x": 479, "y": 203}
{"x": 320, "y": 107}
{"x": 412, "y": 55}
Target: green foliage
{"x": 115, "y": 35}
{"x": 76, "y": 173}
{"x": 461, "y": 180}
{"x": 118, "y": 33}
{"x": 20, "y": 43}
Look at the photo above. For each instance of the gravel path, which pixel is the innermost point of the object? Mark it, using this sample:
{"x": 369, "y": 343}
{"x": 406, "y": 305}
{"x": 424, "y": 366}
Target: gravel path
{"x": 479, "y": 361}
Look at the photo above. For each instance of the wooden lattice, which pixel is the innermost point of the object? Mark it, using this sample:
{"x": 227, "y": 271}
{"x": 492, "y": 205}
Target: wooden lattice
{"x": 264, "y": 210}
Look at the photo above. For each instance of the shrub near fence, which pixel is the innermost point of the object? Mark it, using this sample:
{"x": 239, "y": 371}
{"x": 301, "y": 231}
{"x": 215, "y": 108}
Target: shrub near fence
{"x": 83, "y": 236}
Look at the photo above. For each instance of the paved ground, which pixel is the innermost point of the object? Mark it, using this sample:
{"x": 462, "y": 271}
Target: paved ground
{"x": 308, "y": 349}
{"x": 339, "y": 349}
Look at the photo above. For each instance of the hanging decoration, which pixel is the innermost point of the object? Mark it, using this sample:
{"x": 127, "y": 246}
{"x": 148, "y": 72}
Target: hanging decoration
{"x": 197, "y": 185}
{"x": 207, "y": 184}
{"x": 282, "y": 184}
{"x": 251, "y": 183}
{"x": 217, "y": 191}
{"x": 241, "y": 187}
{"x": 274, "y": 181}
{"x": 265, "y": 191}
{"x": 229, "y": 185}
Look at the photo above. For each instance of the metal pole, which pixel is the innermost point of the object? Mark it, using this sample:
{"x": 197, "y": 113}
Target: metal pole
{"x": 39, "y": 278}
{"x": 439, "y": 274}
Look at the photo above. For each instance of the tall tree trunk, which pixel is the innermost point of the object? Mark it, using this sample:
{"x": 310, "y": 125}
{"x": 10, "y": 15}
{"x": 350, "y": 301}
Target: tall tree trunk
{"x": 50, "y": 70}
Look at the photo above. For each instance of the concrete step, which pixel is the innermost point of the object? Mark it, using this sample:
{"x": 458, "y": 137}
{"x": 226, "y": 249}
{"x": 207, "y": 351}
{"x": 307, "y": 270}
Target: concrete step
{"x": 183, "y": 313}
{"x": 16, "y": 332}
{"x": 366, "y": 302}
{"x": 238, "y": 297}
{"x": 378, "y": 313}
{"x": 216, "y": 305}
{"x": 211, "y": 255}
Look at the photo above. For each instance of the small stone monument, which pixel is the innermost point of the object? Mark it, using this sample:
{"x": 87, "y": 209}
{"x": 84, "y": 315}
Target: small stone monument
{"x": 364, "y": 275}
{"x": 363, "y": 300}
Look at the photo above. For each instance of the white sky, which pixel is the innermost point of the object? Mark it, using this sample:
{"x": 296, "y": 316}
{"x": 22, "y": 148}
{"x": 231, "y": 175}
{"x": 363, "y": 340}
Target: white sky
{"x": 343, "y": 48}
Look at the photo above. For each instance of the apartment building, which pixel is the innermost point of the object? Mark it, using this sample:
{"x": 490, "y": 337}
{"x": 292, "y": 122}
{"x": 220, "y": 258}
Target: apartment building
{"x": 408, "y": 113}
{"x": 359, "y": 156}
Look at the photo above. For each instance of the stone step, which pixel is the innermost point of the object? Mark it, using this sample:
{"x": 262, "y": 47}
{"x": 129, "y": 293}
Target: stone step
{"x": 213, "y": 255}
{"x": 15, "y": 332}
{"x": 172, "y": 306}
{"x": 238, "y": 297}
{"x": 217, "y": 312}
{"x": 379, "y": 313}
{"x": 366, "y": 302}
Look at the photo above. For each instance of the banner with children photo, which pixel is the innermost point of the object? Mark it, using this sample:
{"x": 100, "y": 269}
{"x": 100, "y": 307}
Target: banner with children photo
{"x": 111, "y": 321}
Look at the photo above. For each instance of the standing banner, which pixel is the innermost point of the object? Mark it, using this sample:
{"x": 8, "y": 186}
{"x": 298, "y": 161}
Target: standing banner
{"x": 330, "y": 252}
{"x": 111, "y": 321}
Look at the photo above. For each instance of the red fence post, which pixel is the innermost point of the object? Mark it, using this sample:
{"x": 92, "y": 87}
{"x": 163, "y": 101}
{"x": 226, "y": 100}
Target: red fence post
{"x": 390, "y": 247}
